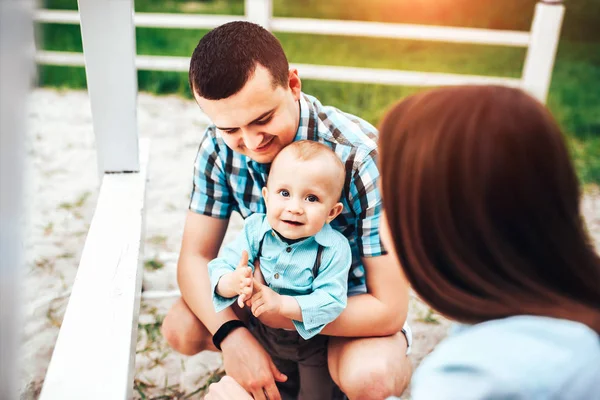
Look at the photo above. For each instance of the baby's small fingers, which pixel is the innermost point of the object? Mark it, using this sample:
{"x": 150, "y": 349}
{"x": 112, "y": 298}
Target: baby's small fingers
{"x": 240, "y": 301}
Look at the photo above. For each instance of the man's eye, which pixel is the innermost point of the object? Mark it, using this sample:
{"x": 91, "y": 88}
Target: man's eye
{"x": 284, "y": 193}
{"x": 229, "y": 131}
{"x": 264, "y": 121}
{"x": 311, "y": 198}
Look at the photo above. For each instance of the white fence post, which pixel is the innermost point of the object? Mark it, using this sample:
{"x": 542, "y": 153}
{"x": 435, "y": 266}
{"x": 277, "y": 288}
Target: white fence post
{"x": 545, "y": 32}
{"x": 108, "y": 35}
{"x": 16, "y": 67}
{"x": 259, "y": 12}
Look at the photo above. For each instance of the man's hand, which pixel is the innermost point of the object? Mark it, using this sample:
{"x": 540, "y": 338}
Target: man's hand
{"x": 226, "y": 389}
{"x": 265, "y": 300}
{"x": 248, "y": 363}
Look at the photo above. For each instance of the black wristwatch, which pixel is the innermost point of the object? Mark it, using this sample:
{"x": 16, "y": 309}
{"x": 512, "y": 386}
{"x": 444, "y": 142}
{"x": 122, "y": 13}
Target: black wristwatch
{"x": 225, "y": 330}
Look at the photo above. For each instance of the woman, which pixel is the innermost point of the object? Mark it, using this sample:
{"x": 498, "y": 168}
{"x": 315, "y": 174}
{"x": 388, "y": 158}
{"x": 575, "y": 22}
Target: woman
{"x": 482, "y": 205}
{"x": 482, "y": 209}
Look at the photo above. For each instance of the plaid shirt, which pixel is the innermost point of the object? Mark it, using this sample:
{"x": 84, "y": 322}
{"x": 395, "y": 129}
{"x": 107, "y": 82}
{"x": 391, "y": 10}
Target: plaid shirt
{"x": 226, "y": 181}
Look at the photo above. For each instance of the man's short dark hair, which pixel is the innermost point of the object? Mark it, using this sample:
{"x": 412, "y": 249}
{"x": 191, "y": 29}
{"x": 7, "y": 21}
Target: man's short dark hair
{"x": 226, "y": 58}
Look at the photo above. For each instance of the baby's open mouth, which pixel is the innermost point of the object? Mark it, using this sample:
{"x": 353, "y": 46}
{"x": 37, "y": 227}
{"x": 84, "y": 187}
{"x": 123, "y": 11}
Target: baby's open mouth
{"x": 295, "y": 223}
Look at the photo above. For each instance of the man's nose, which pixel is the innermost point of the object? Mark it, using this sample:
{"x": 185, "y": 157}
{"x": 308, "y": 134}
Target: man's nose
{"x": 252, "y": 140}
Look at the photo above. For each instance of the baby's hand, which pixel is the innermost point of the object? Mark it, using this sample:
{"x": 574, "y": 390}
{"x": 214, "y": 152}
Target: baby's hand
{"x": 264, "y": 300}
{"x": 243, "y": 277}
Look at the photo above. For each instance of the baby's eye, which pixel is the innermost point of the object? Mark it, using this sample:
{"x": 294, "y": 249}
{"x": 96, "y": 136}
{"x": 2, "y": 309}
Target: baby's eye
{"x": 284, "y": 193}
{"x": 311, "y": 198}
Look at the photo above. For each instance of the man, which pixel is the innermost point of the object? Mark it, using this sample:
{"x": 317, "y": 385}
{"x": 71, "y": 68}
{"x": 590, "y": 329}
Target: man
{"x": 241, "y": 79}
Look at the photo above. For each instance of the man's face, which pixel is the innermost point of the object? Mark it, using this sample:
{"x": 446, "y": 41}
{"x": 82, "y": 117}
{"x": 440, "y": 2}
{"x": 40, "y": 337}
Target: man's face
{"x": 260, "y": 119}
{"x": 301, "y": 196}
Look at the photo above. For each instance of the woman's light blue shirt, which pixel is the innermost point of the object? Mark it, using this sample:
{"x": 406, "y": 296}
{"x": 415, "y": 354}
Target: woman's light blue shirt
{"x": 521, "y": 357}
{"x": 288, "y": 270}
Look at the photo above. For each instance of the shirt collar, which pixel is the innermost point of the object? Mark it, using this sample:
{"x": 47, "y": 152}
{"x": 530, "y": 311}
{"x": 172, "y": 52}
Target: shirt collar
{"x": 323, "y": 237}
{"x": 307, "y": 125}
{"x": 307, "y": 128}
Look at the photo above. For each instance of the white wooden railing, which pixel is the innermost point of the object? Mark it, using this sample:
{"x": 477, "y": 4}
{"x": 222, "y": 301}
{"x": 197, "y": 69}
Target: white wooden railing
{"x": 94, "y": 356}
{"x": 541, "y": 42}
{"x": 95, "y": 350}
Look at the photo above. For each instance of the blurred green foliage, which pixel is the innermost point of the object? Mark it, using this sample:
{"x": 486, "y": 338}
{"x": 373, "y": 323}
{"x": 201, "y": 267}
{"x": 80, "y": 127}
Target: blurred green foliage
{"x": 574, "y": 94}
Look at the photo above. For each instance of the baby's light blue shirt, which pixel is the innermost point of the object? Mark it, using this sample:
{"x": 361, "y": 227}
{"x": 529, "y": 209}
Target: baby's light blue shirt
{"x": 521, "y": 357}
{"x": 287, "y": 269}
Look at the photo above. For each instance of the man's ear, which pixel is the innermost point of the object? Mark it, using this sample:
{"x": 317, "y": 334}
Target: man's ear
{"x": 335, "y": 211}
{"x": 265, "y": 193}
{"x": 294, "y": 83}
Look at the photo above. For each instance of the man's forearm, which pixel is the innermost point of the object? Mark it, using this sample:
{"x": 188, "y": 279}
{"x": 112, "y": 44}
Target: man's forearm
{"x": 365, "y": 315}
{"x": 194, "y": 283}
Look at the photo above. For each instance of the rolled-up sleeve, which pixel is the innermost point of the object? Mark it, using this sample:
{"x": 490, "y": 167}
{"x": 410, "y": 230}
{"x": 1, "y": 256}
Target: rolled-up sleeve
{"x": 210, "y": 194}
{"x": 365, "y": 200}
{"x": 230, "y": 257}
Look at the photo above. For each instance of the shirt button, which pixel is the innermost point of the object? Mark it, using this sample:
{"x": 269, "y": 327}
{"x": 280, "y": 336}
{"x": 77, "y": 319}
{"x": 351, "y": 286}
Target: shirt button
{"x": 276, "y": 276}
{"x": 273, "y": 234}
{"x": 288, "y": 249}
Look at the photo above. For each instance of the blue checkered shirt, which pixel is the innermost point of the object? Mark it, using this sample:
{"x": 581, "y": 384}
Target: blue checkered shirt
{"x": 288, "y": 270}
{"x": 226, "y": 181}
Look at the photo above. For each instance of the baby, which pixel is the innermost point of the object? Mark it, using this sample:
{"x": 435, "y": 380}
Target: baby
{"x": 304, "y": 262}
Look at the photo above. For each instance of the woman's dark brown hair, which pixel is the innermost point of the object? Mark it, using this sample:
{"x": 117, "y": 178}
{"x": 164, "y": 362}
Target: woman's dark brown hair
{"x": 483, "y": 207}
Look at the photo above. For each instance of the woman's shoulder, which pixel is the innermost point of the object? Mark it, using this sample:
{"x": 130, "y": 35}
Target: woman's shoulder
{"x": 522, "y": 356}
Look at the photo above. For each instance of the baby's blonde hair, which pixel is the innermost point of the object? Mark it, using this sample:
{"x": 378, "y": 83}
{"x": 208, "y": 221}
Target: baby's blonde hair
{"x": 308, "y": 150}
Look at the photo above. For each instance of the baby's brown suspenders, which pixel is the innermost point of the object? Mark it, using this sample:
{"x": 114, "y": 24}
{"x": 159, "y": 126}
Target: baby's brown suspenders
{"x": 316, "y": 266}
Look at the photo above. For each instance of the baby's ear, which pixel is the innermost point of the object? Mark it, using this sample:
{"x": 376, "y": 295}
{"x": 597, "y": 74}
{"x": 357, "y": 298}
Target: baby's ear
{"x": 265, "y": 192}
{"x": 335, "y": 211}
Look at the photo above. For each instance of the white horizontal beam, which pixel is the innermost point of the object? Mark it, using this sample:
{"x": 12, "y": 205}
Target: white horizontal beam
{"x": 146, "y": 63}
{"x": 183, "y": 21}
{"x": 317, "y": 26}
{"x": 401, "y": 31}
{"x": 56, "y": 16}
{"x": 95, "y": 351}
{"x": 146, "y": 20}
{"x": 396, "y": 77}
{"x": 319, "y": 72}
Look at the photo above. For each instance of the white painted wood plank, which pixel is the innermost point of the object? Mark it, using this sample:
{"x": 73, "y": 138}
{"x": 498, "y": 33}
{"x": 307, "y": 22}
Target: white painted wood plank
{"x": 396, "y": 77}
{"x": 539, "y": 62}
{"x": 112, "y": 81}
{"x": 148, "y": 20}
{"x": 56, "y": 16}
{"x": 16, "y": 71}
{"x": 183, "y": 21}
{"x": 259, "y": 11}
{"x": 94, "y": 354}
{"x": 401, "y": 31}
{"x": 60, "y": 58}
{"x": 307, "y": 71}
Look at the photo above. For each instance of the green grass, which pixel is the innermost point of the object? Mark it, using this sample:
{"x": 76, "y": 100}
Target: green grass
{"x": 574, "y": 94}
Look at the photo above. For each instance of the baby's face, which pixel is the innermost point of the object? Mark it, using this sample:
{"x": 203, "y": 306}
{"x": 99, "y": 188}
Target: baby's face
{"x": 301, "y": 196}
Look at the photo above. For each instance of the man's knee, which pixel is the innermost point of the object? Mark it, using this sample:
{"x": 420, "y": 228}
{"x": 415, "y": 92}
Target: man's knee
{"x": 375, "y": 380}
{"x": 184, "y": 335}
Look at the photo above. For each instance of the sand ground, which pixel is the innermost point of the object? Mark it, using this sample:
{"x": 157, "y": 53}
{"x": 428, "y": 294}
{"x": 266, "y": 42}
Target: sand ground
{"x": 61, "y": 192}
